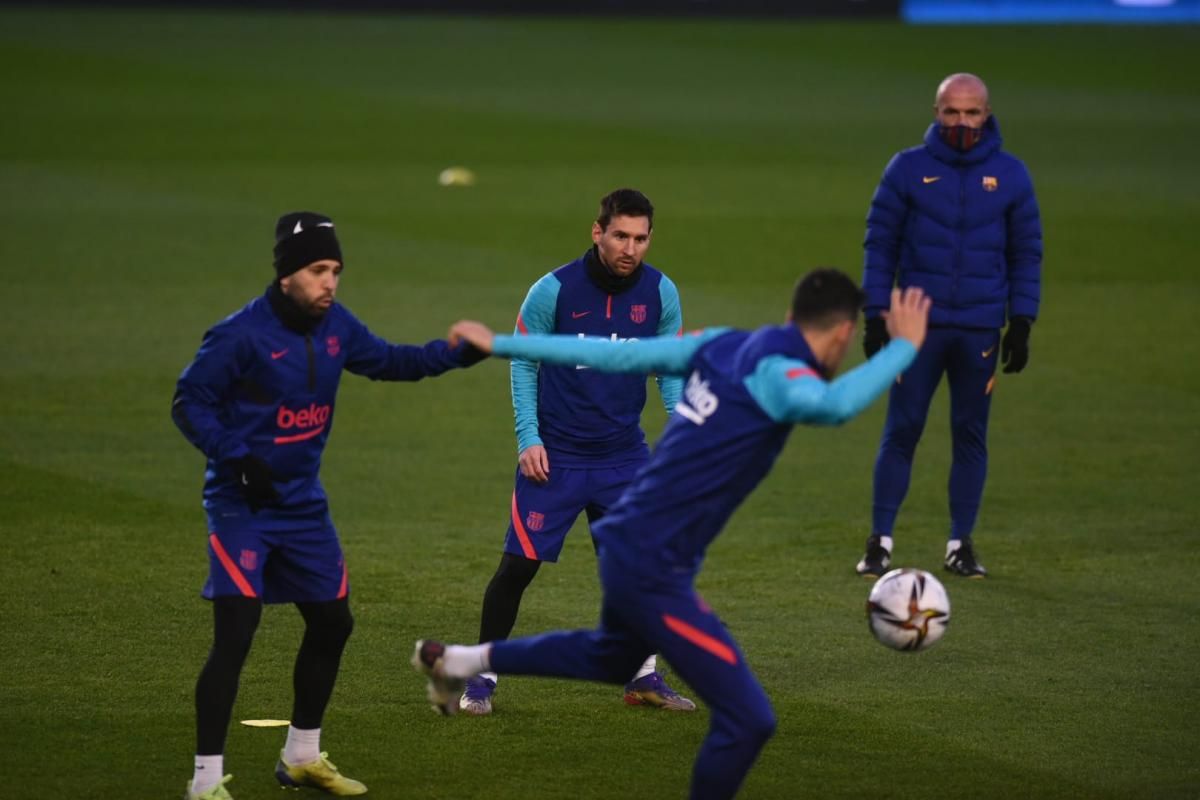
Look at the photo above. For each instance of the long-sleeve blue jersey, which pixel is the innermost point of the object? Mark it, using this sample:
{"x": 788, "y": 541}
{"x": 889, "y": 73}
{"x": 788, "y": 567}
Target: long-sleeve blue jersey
{"x": 744, "y": 392}
{"x": 965, "y": 227}
{"x": 258, "y": 386}
{"x": 582, "y": 417}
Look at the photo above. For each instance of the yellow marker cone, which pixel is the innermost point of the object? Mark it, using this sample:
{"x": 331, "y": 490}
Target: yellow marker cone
{"x": 456, "y": 176}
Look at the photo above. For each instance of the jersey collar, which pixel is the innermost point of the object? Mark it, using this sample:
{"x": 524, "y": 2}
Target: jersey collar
{"x": 599, "y": 275}
{"x": 289, "y": 313}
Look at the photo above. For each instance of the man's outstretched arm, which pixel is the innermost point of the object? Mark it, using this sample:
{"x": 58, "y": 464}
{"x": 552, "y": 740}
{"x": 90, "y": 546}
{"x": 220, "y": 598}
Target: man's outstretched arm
{"x": 667, "y": 355}
{"x": 791, "y": 391}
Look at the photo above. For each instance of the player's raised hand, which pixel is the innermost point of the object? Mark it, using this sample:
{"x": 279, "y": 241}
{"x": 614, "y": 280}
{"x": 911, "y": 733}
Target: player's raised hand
{"x": 908, "y": 318}
{"x": 473, "y": 333}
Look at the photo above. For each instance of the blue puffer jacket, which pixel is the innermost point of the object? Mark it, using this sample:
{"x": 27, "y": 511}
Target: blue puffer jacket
{"x": 965, "y": 227}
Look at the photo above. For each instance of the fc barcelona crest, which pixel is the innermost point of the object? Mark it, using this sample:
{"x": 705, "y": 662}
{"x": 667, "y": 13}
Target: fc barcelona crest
{"x": 535, "y": 520}
{"x": 989, "y": 183}
{"x": 637, "y": 314}
{"x": 249, "y": 560}
{"x": 333, "y": 346}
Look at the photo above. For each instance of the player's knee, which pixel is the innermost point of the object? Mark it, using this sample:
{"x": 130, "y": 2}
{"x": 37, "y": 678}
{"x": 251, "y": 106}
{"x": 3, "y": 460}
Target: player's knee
{"x": 339, "y": 627}
{"x": 763, "y": 725}
{"x": 754, "y": 722}
{"x": 969, "y": 437}
{"x": 236, "y": 621}
{"x": 230, "y": 651}
{"x": 515, "y": 573}
{"x": 328, "y": 625}
{"x": 903, "y": 441}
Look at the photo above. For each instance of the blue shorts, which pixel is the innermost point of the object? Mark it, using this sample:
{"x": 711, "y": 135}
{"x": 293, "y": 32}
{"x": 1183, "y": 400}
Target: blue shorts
{"x": 291, "y": 566}
{"x": 542, "y": 513}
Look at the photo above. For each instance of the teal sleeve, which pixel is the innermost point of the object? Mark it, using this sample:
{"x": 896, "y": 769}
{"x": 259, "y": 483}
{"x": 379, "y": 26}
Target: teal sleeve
{"x": 791, "y": 391}
{"x": 536, "y": 316}
{"x": 667, "y": 355}
{"x": 670, "y": 323}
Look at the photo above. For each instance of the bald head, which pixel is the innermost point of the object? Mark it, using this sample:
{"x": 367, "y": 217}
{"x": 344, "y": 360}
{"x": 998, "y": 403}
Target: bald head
{"x": 962, "y": 99}
{"x": 962, "y": 82}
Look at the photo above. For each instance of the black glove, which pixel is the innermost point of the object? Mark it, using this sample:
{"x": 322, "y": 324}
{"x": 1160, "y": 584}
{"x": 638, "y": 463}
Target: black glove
{"x": 1014, "y": 347}
{"x": 468, "y": 354}
{"x": 254, "y": 477}
{"x": 875, "y": 336}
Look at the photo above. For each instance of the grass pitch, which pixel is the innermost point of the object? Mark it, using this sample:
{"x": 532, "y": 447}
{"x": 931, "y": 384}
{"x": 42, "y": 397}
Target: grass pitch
{"x": 144, "y": 158}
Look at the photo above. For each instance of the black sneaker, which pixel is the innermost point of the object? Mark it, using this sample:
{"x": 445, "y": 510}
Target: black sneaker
{"x": 962, "y": 562}
{"x": 875, "y": 561}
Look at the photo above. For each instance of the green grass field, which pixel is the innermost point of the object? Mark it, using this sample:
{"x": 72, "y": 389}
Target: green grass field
{"x": 143, "y": 160}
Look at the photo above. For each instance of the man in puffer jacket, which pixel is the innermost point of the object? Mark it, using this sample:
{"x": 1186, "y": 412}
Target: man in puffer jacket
{"x": 956, "y": 216}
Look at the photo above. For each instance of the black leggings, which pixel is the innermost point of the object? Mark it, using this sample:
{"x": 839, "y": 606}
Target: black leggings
{"x": 502, "y": 599}
{"x": 235, "y": 619}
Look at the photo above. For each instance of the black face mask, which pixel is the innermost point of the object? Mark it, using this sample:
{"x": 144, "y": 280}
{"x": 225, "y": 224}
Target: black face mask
{"x": 960, "y": 137}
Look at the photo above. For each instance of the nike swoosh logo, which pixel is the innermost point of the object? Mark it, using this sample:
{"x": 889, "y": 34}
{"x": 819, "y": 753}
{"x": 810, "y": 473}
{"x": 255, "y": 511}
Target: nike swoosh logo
{"x": 578, "y": 314}
{"x": 927, "y": 179}
{"x": 276, "y": 356}
{"x": 989, "y": 351}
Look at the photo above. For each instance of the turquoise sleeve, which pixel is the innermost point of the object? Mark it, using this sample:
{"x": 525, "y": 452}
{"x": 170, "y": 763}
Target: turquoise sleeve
{"x": 667, "y": 355}
{"x": 670, "y": 323}
{"x": 791, "y": 391}
{"x": 536, "y": 316}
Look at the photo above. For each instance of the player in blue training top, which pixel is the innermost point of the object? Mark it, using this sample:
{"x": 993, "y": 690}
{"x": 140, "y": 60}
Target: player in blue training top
{"x": 745, "y": 391}
{"x": 579, "y": 437}
{"x": 258, "y": 401}
{"x": 956, "y": 216}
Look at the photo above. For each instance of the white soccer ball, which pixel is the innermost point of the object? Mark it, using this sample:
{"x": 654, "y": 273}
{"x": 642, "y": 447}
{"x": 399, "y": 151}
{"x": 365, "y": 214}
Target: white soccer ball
{"x": 908, "y": 609}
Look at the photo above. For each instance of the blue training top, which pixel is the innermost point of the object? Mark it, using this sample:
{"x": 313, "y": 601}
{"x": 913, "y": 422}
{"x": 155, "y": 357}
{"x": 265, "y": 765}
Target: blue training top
{"x": 744, "y": 392}
{"x": 261, "y": 385}
{"x": 581, "y": 416}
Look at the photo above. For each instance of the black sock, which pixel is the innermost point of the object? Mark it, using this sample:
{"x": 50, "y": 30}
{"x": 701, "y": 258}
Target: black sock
{"x": 503, "y": 596}
{"x": 234, "y": 621}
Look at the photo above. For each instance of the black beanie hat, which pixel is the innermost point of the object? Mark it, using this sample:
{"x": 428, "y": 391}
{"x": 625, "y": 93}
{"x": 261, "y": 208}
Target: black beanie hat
{"x": 302, "y": 237}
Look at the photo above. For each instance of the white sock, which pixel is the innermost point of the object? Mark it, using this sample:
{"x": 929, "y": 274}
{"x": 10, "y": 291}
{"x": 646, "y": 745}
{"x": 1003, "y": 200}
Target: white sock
{"x": 303, "y": 746}
{"x": 952, "y": 545}
{"x": 650, "y": 666}
{"x": 491, "y": 676}
{"x": 466, "y": 660}
{"x": 886, "y": 543}
{"x": 207, "y": 773}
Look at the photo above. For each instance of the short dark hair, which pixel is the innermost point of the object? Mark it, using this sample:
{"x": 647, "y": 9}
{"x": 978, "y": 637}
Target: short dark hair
{"x": 825, "y": 297}
{"x": 624, "y": 203}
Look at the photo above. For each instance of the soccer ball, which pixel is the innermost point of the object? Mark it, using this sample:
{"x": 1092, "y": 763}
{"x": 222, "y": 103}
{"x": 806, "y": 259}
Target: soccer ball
{"x": 908, "y": 609}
